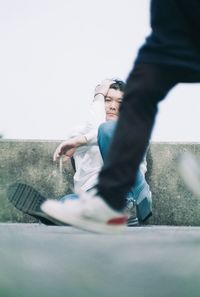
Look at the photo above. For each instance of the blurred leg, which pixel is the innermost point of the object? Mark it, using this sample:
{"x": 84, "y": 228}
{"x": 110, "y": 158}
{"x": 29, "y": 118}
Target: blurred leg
{"x": 146, "y": 86}
{"x": 140, "y": 194}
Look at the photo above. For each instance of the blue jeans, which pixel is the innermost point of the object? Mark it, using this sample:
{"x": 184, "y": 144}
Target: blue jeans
{"x": 140, "y": 194}
{"x": 68, "y": 196}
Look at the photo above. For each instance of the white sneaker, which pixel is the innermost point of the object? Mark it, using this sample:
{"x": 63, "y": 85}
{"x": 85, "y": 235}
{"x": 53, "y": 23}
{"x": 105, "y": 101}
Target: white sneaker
{"x": 189, "y": 168}
{"x": 89, "y": 212}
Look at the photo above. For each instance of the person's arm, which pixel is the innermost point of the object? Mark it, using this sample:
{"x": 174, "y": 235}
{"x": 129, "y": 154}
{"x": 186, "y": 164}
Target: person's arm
{"x": 84, "y": 134}
{"x": 68, "y": 147}
{"x": 97, "y": 113}
{"x": 87, "y": 134}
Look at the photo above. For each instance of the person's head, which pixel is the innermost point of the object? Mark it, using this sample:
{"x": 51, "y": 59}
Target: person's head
{"x": 113, "y": 99}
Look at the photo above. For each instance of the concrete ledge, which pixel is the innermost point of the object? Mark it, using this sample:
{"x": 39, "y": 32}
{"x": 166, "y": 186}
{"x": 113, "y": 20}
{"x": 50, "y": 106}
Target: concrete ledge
{"x": 31, "y": 162}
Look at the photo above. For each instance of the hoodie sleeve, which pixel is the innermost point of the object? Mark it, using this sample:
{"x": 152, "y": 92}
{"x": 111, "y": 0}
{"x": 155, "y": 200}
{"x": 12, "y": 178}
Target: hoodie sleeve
{"x": 96, "y": 116}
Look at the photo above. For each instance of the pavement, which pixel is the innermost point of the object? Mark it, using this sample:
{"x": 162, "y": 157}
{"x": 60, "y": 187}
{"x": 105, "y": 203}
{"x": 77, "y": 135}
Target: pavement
{"x": 53, "y": 261}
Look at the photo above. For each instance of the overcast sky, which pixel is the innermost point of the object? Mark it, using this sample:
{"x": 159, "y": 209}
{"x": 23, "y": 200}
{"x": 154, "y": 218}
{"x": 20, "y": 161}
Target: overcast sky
{"x": 54, "y": 52}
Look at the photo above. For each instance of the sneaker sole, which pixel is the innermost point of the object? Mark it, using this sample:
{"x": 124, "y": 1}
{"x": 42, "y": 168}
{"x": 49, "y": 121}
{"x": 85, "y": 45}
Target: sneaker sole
{"x": 26, "y": 199}
{"x": 132, "y": 222}
{"x": 87, "y": 225}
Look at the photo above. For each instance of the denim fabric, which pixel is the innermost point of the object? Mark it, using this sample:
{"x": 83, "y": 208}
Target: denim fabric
{"x": 105, "y": 135}
{"x": 68, "y": 196}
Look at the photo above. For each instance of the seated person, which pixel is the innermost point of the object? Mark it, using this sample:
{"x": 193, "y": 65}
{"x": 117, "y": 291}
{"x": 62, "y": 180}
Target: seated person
{"x": 88, "y": 145}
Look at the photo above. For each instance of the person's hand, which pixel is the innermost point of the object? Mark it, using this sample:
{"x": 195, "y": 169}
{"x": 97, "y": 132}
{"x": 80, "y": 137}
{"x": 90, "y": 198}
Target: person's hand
{"x": 68, "y": 147}
{"x": 103, "y": 88}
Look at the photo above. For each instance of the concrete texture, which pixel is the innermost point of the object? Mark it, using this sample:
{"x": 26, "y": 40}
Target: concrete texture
{"x": 31, "y": 162}
{"x": 37, "y": 260}
{"x": 173, "y": 203}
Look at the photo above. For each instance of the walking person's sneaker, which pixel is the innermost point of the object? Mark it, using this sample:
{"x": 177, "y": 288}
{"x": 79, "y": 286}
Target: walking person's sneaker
{"x": 89, "y": 212}
{"x": 189, "y": 167}
{"x": 28, "y": 200}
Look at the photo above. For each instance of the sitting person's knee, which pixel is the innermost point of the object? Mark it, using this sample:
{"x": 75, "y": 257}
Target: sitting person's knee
{"x": 106, "y": 129}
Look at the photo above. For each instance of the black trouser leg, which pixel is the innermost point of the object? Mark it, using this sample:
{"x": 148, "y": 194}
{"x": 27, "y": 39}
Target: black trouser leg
{"x": 146, "y": 86}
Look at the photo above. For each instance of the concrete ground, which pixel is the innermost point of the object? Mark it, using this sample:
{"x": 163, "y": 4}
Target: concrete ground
{"x": 153, "y": 261}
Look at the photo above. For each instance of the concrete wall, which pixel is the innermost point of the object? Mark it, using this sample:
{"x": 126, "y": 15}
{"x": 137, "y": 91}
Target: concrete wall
{"x": 31, "y": 162}
{"x": 173, "y": 203}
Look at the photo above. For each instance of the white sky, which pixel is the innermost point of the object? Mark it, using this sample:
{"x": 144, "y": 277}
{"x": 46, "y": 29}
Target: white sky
{"x": 54, "y": 52}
